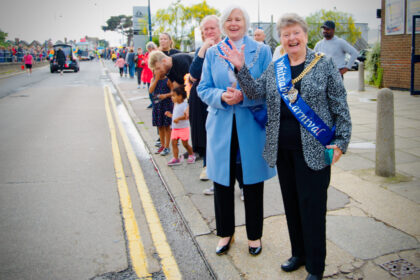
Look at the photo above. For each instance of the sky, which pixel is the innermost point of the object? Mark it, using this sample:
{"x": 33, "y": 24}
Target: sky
{"x": 41, "y": 19}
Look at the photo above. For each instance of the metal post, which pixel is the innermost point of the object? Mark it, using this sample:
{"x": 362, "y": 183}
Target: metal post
{"x": 150, "y": 21}
{"x": 385, "y": 139}
{"x": 258, "y": 13}
{"x": 361, "y": 76}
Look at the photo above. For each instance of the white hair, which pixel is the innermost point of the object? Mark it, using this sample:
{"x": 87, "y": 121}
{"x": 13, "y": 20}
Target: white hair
{"x": 208, "y": 18}
{"x": 151, "y": 45}
{"x": 226, "y": 13}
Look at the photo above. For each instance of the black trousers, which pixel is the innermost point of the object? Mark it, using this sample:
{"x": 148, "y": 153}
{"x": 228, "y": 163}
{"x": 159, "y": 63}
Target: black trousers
{"x": 224, "y": 200}
{"x": 304, "y": 194}
{"x": 138, "y": 71}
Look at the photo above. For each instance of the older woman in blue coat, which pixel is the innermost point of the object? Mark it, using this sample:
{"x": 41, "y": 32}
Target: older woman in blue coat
{"x": 233, "y": 134}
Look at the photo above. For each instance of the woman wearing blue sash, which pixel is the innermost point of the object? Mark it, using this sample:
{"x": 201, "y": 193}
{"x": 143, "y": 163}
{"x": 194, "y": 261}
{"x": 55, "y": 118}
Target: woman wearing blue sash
{"x": 233, "y": 135}
{"x": 308, "y": 129}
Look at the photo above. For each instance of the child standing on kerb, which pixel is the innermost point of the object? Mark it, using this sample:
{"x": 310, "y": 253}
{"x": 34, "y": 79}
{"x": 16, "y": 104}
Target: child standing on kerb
{"x": 160, "y": 88}
{"x": 180, "y": 126}
{"x": 120, "y": 64}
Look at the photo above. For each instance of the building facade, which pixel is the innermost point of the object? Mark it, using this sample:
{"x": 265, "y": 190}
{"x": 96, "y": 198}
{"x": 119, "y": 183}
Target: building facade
{"x": 396, "y": 42}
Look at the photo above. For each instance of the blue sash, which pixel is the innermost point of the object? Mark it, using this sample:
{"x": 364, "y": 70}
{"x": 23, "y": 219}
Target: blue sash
{"x": 258, "y": 111}
{"x": 302, "y": 112}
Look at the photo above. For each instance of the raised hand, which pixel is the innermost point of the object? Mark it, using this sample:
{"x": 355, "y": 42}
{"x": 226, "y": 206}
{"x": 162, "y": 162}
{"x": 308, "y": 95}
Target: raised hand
{"x": 236, "y": 57}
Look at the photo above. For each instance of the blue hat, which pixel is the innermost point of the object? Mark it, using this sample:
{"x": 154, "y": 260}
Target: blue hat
{"x": 328, "y": 24}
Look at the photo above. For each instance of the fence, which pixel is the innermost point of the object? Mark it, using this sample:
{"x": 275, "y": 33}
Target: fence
{"x": 7, "y": 56}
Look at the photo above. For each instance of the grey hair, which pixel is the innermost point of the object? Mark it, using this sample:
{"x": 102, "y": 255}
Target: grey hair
{"x": 289, "y": 20}
{"x": 226, "y": 13}
{"x": 151, "y": 45}
{"x": 207, "y": 18}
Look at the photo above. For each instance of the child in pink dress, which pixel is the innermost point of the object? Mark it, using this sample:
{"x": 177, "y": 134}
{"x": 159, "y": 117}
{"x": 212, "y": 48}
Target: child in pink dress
{"x": 120, "y": 64}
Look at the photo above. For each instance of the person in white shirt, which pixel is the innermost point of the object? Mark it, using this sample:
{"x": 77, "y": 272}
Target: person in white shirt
{"x": 336, "y": 47}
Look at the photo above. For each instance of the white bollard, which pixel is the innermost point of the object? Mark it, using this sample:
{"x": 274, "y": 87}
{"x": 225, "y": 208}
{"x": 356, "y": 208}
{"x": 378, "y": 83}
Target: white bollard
{"x": 361, "y": 76}
{"x": 385, "y": 139}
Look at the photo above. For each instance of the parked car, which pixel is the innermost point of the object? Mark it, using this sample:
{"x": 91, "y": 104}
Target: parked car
{"x": 71, "y": 60}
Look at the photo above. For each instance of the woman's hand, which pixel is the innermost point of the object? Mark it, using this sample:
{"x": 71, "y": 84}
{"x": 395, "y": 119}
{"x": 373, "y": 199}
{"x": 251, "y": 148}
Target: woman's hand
{"x": 237, "y": 58}
{"x": 337, "y": 153}
{"x": 232, "y": 96}
{"x": 207, "y": 44}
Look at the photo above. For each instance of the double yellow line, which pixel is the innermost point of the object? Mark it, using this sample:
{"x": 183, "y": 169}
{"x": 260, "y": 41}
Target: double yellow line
{"x": 136, "y": 249}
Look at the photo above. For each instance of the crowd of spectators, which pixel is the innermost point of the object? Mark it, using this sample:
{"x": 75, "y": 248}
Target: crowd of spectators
{"x": 16, "y": 53}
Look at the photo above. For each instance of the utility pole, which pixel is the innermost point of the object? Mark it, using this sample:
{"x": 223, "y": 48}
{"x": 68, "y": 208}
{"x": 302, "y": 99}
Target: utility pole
{"x": 258, "y": 13}
{"x": 150, "y": 21}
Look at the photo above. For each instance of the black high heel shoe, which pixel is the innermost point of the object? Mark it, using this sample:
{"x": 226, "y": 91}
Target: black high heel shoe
{"x": 223, "y": 249}
{"x": 255, "y": 251}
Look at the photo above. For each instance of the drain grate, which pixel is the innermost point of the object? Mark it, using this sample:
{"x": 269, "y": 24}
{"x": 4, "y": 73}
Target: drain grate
{"x": 400, "y": 268}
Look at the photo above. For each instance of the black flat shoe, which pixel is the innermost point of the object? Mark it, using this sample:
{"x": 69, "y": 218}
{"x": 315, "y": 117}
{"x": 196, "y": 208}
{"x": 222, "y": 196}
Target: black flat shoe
{"x": 223, "y": 250}
{"x": 292, "y": 264}
{"x": 255, "y": 251}
{"x": 314, "y": 277}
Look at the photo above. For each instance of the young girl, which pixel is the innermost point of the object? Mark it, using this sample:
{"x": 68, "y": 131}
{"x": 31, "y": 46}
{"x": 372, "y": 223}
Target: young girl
{"x": 120, "y": 64}
{"x": 180, "y": 126}
{"x": 160, "y": 88}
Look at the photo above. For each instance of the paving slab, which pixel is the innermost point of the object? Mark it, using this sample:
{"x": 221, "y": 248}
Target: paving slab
{"x": 365, "y": 238}
{"x": 354, "y": 161}
{"x": 409, "y": 190}
{"x": 384, "y": 205}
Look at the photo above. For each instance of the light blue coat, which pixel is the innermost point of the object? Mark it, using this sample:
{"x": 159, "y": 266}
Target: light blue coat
{"x": 214, "y": 81}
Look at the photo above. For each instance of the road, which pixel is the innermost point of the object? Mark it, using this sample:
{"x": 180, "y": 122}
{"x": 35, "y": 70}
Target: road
{"x": 70, "y": 193}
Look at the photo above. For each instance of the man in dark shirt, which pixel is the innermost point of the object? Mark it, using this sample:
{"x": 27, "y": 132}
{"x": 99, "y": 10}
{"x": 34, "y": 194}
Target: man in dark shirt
{"x": 60, "y": 57}
{"x": 175, "y": 66}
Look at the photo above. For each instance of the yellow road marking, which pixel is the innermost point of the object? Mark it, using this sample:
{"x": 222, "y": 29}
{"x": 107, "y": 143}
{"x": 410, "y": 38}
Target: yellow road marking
{"x": 169, "y": 265}
{"x": 135, "y": 245}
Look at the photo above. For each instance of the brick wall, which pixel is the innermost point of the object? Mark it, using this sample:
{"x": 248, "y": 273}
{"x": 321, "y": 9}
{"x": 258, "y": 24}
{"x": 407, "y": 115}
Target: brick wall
{"x": 396, "y": 58}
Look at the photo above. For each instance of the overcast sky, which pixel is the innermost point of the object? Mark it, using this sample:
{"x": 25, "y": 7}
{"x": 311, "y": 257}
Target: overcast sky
{"x": 42, "y": 19}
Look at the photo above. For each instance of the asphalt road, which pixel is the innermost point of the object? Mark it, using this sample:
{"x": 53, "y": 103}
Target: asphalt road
{"x": 60, "y": 212}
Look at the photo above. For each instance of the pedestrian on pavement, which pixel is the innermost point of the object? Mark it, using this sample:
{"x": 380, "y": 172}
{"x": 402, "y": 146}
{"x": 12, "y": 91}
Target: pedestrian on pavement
{"x": 175, "y": 67}
{"x": 180, "y": 126}
{"x": 139, "y": 65}
{"x": 28, "y": 60}
{"x": 147, "y": 74}
{"x": 120, "y": 64}
{"x": 131, "y": 64}
{"x": 259, "y": 35}
{"x": 113, "y": 56}
{"x": 212, "y": 35}
{"x": 234, "y": 137}
{"x": 336, "y": 47}
{"x": 123, "y": 54}
{"x": 162, "y": 103}
{"x": 297, "y": 147}
{"x": 166, "y": 45}
{"x": 60, "y": 57}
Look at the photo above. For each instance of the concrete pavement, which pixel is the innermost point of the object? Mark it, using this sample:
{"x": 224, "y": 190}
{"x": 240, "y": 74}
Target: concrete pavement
{"x": 371, "y": 220}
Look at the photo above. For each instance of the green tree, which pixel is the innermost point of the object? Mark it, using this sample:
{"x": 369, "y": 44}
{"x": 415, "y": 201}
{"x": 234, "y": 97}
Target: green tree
{"x": 373, "y": 66}
{"x": 3, "y": 36}
{"x": 122, "y": 24}
{"x": 180, "y": 20}
{"x": 344, "y": 26}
